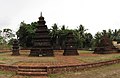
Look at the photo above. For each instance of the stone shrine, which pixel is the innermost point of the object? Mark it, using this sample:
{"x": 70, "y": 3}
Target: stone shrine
{"x": 41, "y": 41}
{"x": 105, "y": 46}
{"x": 70, "y": 45}
{"x": 15, "y": 48}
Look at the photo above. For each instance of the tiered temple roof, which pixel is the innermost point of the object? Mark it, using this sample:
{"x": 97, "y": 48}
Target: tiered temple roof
{"x": 105, "y": 46}
{"x": 15, "y": 48}
{"x": 70, "y": 45}
{"x": 41, "y": 41}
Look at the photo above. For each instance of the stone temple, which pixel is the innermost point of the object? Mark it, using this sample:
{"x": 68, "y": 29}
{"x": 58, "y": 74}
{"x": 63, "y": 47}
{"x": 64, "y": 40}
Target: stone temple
{"x": 15, "y": 48}
{"x": 41, "y": 41}
{"x": 105, "y": 46}
{"x": 70, "y": 45}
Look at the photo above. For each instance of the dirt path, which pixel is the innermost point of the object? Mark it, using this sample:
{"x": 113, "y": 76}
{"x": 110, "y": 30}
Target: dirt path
{"x": 60, "y": 60}
{"x": 68, "y": 60}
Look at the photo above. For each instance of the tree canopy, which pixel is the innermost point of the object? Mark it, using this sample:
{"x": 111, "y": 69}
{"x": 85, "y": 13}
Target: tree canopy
{"x": 84, "y": 39}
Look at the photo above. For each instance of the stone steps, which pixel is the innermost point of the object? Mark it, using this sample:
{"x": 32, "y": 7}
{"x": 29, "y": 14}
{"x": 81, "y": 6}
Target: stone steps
{"x": 32, "y": 67}
{"x": 32, "y": 71}
{"x": 38, "y": 77}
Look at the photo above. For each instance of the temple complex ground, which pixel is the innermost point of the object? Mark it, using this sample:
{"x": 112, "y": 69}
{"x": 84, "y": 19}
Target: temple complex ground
{"x": 111, "y": 71}
{"x": 84, "y": 57}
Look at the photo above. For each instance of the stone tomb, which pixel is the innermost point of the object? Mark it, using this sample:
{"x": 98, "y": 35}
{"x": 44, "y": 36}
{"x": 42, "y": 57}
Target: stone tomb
{"x": 105, "y": 46}
{"x": 70, "y": 45}
{"x": 15, "y": 48}
{"x": 41, "y": 41}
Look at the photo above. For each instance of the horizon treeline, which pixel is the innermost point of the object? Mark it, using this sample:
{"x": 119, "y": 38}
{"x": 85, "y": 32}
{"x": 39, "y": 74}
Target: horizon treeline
{"x": 58, "y": 34}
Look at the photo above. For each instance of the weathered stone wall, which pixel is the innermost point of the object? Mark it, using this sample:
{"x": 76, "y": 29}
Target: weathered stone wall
{"x": 9, "y": 67}
{"x": 76, "y": 68}
{"x": 64, "y": 68}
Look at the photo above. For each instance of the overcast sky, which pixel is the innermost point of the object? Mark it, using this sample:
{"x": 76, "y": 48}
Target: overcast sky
{"x": 95, "y": 15}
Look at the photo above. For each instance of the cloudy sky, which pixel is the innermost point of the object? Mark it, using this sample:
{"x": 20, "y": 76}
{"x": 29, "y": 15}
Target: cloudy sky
{"x": 95, "y": 15}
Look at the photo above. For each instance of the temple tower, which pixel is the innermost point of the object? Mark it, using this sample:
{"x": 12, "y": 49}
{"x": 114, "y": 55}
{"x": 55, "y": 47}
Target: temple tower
{"x": 41, "y": 41}
{"x": 70, "y": 45}
{"x": 105, "y": 46}
{"x": 15, "y": 48}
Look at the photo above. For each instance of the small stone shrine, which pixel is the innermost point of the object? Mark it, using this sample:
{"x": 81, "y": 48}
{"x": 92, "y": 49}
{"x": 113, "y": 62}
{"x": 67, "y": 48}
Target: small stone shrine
{"x": 105, "y": 46}
{"x": 15, "y": 48}
{"x": 41, "y": 41}
{"x": 70, "y": 45}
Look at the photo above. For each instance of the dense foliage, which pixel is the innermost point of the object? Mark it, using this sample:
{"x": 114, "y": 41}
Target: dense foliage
{"x": 58, "y": 34}
{"x": 26, "y": 33}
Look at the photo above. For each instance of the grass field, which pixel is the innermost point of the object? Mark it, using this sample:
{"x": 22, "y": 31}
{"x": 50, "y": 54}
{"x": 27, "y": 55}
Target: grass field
{"x": 111, "y": 71}
{"x": 84, "y": 57}
{"x": 8, "y": 74}
{"x": 88, "y": 57}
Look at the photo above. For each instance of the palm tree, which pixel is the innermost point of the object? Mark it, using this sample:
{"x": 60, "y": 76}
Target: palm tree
{"x": 88, "y": 40}
{"x": 62, "y": 35}
{"x": 80, "y": 36}
{"x": 97, "y": 38}
{"x": 54, "y": 33}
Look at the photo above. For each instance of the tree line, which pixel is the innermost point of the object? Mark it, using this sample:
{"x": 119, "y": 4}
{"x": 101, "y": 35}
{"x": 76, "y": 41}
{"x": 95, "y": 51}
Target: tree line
{"x": 58, "y": 34}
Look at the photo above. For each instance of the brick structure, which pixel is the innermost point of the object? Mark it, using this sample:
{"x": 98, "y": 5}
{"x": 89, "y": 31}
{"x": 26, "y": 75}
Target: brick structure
{"x": 41, "y": 41}
{"x": 105, "y": 46}
{"x": 70, "y": 45}
{"x": 15, "y": 48}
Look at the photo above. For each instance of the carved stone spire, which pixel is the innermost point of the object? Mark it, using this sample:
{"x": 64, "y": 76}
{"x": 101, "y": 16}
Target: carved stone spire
{"x": 41, "y": 14}
{"x": 41, "y": 40}
{"x": 70, "y": 45}
{"x": 15, "y": 48}
{"x": 105, "y": 46}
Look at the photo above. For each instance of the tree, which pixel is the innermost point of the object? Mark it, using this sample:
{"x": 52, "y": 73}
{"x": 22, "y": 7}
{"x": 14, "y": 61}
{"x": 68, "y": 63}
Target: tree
{"x": 2, "y": 40}
{"x": 26, "y": 33}
{"x": 116, "y": 35}
{"x": 97, "y": 38}
{"x": 110, "y": 34}
{"x": 8, "y": 34}
{"x": 88, "y": 40}
{"x": 54, "y": 33}
{"x": 10, "y": 42}
{"x": 80, "y": 36}
{"x": 58, "y": 36}
{"x": 62, "y": 35}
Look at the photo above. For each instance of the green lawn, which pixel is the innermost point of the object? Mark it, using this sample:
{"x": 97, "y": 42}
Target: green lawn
{"x": 8, "y": 74}
{"x": 88, "y": 57}
{"x": 6, "y": 58}
{"x": 98, "y": 58}
{"x": 84, "y": 57}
